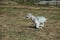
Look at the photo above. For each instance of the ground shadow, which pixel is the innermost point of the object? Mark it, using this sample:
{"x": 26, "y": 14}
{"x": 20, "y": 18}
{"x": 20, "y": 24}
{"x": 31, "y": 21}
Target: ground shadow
{"x": 29, "y": 26}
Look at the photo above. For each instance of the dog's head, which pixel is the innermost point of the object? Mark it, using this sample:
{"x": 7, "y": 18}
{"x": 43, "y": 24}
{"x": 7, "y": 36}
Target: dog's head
{"x": 29, "y": 15}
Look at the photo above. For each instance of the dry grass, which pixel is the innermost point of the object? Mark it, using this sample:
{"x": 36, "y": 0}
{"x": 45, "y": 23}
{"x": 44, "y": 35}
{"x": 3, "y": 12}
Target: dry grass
{"x": 14, "y": 25}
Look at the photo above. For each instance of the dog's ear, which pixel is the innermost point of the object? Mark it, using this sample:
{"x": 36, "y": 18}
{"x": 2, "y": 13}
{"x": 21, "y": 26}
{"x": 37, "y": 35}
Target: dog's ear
{"x": 29, "y": 13}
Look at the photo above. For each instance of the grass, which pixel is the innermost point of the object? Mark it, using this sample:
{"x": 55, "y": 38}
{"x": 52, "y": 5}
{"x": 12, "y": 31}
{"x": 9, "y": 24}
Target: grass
{"x": 15, "y": 26}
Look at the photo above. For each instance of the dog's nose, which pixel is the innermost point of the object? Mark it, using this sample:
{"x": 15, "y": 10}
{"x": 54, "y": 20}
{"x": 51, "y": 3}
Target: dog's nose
{"x": 26, "y": 17}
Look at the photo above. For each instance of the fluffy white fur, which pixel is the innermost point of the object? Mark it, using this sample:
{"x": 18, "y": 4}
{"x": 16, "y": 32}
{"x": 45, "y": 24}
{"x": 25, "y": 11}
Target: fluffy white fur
{"x": 39, "y": 21}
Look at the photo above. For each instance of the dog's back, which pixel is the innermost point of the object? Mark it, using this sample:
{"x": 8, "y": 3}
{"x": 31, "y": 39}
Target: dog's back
{"x": 41, "y": 19}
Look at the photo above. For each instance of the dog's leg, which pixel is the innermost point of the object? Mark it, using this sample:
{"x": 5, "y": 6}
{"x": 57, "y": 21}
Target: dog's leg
{"x": 37, "y": 25}
{"x": 42, "y": 24}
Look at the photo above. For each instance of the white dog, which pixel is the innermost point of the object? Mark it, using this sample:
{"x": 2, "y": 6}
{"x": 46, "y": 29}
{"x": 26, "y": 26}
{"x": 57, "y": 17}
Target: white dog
{"x": 39, "y": 21}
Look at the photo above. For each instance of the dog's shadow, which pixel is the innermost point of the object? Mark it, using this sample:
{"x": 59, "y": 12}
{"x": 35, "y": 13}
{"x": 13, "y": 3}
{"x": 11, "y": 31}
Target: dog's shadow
{"x": 29, "y": 26}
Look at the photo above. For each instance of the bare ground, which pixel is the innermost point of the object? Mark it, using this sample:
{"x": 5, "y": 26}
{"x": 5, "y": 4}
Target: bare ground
{"x": 15, "y": 26}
